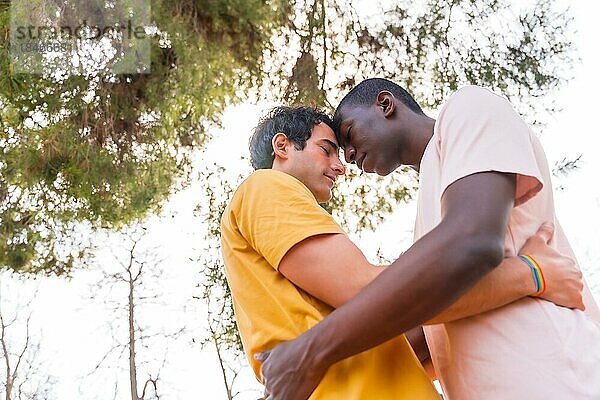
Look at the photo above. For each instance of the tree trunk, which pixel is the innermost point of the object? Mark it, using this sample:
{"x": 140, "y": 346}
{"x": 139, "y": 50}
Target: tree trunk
{"x": 227, "y": 388}
{"x": 132, "y": 368}
{"x": 8, "y": 385}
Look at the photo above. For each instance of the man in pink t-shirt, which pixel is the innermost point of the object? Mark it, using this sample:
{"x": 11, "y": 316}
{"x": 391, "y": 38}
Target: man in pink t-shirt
{"x": 484, "y": 189}
{"x": 530, "y": 349}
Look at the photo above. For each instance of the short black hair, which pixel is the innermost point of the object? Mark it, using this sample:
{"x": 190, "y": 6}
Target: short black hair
{"x": 365, "y": 94}
{"x": 296, "y": 123}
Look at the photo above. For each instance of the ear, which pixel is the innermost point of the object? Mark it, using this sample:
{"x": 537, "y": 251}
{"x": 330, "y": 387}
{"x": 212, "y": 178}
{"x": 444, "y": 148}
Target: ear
{"x": 387, "y": 102}
{"x": 280, "y": 145}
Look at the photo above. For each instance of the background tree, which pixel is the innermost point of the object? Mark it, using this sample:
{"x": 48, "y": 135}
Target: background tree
{"x": 89, "y": 145}
{"x": 23, "y": 376}
{"x": 137, "y": 280}
{"x": 222, "y": 332}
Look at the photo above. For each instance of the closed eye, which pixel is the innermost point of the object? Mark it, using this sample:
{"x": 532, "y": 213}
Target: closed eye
{"x": 348, "y": 135}
{"x": 325, "y": 150}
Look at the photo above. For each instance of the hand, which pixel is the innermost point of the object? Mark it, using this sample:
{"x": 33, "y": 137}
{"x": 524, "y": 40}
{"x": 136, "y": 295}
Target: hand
{"x": 289, "y": 371}
{"x": 564, "y": 281}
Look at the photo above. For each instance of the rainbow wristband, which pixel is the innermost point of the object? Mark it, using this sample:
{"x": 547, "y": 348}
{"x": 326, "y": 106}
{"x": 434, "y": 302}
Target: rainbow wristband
{"x": 538, "y": 276}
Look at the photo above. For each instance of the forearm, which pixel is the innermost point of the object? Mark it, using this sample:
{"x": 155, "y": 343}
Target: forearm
{"x": 510, "y": 281}
{"x": 403, "y": 297}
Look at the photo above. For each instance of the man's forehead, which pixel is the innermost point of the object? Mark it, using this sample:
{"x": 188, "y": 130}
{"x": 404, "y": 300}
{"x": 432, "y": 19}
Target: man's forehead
{"x": 323, "y": 131}
{"x": 348, "y": 114}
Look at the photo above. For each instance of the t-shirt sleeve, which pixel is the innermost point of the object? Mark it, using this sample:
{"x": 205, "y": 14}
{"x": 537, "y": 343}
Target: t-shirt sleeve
{"x": 481, "y": 132}
{"x": 277, "y": 211}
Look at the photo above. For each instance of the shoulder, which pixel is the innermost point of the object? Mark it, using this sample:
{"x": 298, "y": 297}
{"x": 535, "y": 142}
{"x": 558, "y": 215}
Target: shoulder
{"x": 474, "y": 106}
{"x": 267, "y": 176}
{"x": 272, "y": 179}
{"x": 268, "y": 186}
{"x": 475, "y": 98}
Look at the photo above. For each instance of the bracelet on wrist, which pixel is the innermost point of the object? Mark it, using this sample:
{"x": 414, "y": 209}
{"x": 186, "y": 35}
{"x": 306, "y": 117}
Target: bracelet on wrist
{"x": 538, "y": 276}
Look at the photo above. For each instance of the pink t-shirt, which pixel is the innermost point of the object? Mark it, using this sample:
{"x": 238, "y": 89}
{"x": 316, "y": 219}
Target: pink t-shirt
{"x": 530, "y": 349}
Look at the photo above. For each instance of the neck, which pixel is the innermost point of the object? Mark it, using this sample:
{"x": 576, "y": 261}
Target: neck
{"x": 421, "y": 132}
{"x": 279, "y": 166}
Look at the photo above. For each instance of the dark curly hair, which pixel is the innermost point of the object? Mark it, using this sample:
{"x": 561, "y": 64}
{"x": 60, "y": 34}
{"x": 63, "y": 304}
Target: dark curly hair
{"x": 295, "y": 122}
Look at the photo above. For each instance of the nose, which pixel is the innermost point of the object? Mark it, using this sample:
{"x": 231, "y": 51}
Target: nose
{"x": 338, "y": 167}
{"x": 349, "y": 154}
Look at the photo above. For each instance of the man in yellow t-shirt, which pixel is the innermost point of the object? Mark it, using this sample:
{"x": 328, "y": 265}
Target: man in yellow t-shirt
{"x": 283, "y": 282}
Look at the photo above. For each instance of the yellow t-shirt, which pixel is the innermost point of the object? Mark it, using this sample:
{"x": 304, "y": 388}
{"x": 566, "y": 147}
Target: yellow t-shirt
{"x": 270, "y": 212}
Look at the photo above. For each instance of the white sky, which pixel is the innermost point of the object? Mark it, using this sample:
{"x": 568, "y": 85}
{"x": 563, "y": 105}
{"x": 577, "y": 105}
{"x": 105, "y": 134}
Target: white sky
{"x": 74, "y": 334}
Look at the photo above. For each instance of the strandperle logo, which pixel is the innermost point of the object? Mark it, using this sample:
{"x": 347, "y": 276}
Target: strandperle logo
{"x": 80, "y": 36}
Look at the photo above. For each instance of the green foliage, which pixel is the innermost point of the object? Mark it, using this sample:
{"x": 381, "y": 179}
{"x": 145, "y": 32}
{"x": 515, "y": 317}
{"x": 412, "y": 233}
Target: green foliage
{"x": 90, "y": 146}
{"x": 429, "y": 47}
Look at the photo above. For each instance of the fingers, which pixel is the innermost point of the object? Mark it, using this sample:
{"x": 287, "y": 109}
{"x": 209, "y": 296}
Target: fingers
{"x": 261, "y": 357}
{"x": 266, "y": 395}
{"x": 577, "y": 305}
{"x": 546, "y": 232}
{"x": 579, "y": 287}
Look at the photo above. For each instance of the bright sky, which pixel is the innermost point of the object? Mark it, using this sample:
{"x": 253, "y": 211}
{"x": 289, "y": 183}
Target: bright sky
{"x": 73, "y": 328}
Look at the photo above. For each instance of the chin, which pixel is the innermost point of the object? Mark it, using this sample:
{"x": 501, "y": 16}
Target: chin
{"x": 381, "y": 171}
{"x": 324, "y": 197}
{"x": 386, "y": 169}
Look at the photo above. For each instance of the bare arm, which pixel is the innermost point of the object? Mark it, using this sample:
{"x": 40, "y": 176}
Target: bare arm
{"x": 331, "y": 268}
